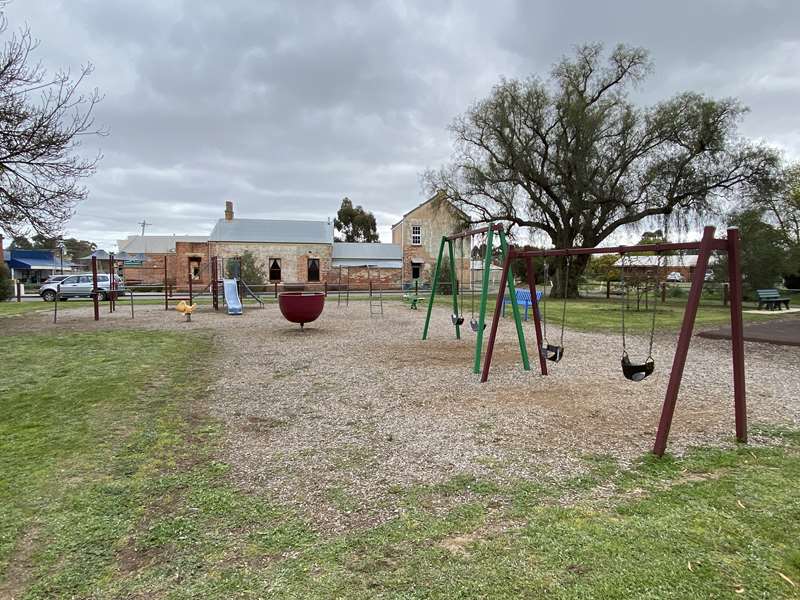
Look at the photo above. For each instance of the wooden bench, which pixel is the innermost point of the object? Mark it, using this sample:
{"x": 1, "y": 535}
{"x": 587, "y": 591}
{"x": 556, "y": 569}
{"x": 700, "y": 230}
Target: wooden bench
{"x": 523, "y": 299}
{"x": 771, "y": 299}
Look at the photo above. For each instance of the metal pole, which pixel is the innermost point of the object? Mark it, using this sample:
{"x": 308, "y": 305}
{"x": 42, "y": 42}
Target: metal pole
{"x": 189, "y": 277}
{"x": 214, "y": 284}
{"x": 453, "y": 284}
{"x": 111, "y": 283}
{"x": 487, "y": 268}
{"x": 537, "y": 323}
{"x": 131, "y": 294}
{"x": 166, "y": 292}
{"x": 512, "y": 296}
{"x": 95, "y": 299}
{"x": 55, "y": 307}
{"x": 487, "y": 361}
{"x": 685, "y": 337}
{"x": 19, "y": 291}
{"x": 436, "y": 271}
{"x": 737, "y": 333}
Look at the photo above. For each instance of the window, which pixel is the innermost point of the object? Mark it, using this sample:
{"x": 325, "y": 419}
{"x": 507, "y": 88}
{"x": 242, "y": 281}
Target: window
{"x": 313, "y": 269}
{"x": 415, "y": 270}
{"x": 102, "y": 278}
{"x": 85, "y": 279}
{"x": 194, "y": 268}
{"x": 70, "y": 280}
{"x": 416, "y": 235}
{"x": 274, "y": 269}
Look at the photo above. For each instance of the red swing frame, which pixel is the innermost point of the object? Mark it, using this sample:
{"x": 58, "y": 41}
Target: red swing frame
{"x": 706, "y": 246}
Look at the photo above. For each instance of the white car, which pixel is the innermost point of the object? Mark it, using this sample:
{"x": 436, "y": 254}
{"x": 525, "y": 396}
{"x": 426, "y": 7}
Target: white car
{"x": 675, "y": 277}
{"x": 80, "y": 286}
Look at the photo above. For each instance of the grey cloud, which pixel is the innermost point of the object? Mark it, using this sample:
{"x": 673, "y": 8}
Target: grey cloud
{"x": 286, "y": 107}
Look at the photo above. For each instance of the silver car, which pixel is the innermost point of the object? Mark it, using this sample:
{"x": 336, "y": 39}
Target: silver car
{"x": 80, "y": 286}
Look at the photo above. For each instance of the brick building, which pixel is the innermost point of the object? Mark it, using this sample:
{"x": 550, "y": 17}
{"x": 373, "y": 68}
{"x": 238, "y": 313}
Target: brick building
{"x": 420, "y": 232}
{"x": 359, "y": 264}
{"x": 177, "y": 249}
{"x": 288, "y": 251}
{"x": 291, "y": 251}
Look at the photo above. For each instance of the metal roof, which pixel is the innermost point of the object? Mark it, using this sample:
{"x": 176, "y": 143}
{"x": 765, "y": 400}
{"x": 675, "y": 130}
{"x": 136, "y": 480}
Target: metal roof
{"x": 367, "y": 252}
{"x": 375, "y": 263}
{"x": 274, "y": 231}
{"x": 155, "y": 244}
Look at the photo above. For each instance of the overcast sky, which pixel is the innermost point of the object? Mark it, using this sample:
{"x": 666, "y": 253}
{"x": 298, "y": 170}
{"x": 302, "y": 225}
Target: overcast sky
{"x": 286, "y": 107}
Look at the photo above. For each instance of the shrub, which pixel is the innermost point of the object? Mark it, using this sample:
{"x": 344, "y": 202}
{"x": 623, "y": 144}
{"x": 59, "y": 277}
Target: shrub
{"x": 6, "y": 285}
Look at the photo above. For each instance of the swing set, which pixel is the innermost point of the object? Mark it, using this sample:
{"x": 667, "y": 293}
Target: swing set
{"x": 631, "y": 370}
{"x": 477, "y": 324}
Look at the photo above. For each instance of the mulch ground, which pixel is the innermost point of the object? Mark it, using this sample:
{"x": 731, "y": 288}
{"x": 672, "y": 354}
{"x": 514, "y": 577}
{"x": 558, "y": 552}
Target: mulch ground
{"x": 336, "y": 419}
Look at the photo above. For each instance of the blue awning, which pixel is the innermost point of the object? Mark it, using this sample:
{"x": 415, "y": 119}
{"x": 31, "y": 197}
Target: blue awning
{"x": 36, "y": 264}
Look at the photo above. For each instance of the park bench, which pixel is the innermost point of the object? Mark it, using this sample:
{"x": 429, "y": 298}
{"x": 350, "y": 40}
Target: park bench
{"x": 523, "y": 299}
{"x": 771, "y": 299}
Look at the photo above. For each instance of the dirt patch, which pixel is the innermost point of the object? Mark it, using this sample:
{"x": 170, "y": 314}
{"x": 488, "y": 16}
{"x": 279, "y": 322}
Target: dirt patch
{"x": 19, "y": 573}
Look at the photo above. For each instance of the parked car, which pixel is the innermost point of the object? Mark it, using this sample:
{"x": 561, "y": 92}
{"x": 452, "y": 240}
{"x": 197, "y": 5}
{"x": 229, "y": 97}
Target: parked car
{"x": 55, "y": 279}
{"x": 709, "y": 276}
{"x": 675, "y": 277}
{"x": 80, "y": 286}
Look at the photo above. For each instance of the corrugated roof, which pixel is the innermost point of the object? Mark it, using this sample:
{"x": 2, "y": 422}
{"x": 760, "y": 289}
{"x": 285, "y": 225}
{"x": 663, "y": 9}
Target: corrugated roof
{"x": 155, "y": 244}
{"x": 375, "y": 263}
{"x": 268, "y": 230}
{"x": 367, "y": 252}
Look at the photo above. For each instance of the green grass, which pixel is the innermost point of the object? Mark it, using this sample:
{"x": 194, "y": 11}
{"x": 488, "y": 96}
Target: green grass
{"x": 605, "y": 315}
{"x": 111, "y": 487}
{"x": 19, "y": 308}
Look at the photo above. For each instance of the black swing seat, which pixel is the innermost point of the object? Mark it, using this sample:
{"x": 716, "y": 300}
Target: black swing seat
{"x": 552, "y": 352}
{"x": 473, "y": 324}
{"x": 456, "y": 319}
{"x": 637, "y": 372}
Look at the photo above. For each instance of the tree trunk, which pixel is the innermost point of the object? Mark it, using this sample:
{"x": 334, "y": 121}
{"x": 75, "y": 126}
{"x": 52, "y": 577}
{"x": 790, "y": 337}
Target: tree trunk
{"x": 577, "y": 265}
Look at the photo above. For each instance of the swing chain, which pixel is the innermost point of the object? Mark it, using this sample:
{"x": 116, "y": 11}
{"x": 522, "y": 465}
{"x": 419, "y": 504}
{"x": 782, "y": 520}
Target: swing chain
{"x": 565, "y": 282}
{"x": 656, "y": 282}
{"x": 624, "y": 301}
{"x": 544, "y": 303}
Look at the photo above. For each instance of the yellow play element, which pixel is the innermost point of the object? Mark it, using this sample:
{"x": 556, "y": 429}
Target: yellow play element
{"x": 185, "y": 309}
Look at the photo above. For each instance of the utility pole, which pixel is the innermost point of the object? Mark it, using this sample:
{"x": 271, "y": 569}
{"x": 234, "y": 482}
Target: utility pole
{"x": 143, "y": 225}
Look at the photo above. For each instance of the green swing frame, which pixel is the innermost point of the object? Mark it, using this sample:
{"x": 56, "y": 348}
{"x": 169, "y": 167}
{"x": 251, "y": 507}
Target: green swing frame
{"x": 447, "y": 241}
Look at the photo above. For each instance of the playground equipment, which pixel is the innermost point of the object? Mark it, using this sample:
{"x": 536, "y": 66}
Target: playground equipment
{"x": 186, "y": 310}
{"x": 706, "y": 246}
{"x": 301, "y": 307}
{"x": 375, "y": 291}
{"x": 554, "y": 352}
{"x": 638, "y": 371}
{"x": 232, "y": 301}
{"x": 456, "y": 317}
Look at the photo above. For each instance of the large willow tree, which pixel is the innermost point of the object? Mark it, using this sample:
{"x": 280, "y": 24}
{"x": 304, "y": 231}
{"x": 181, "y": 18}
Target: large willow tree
{"x": 573, "y": 157}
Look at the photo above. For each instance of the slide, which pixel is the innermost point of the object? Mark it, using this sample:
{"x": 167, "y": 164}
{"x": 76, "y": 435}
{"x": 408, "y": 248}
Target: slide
{"x": 232, "y": 296}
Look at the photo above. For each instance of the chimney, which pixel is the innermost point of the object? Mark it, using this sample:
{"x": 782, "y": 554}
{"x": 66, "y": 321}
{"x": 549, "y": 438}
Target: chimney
{"x": 228, "y": 210}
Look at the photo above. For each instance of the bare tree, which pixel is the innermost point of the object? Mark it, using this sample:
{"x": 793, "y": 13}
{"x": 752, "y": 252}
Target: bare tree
{"x": 42, "y": 121}
{"x": 575, "y": 159}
